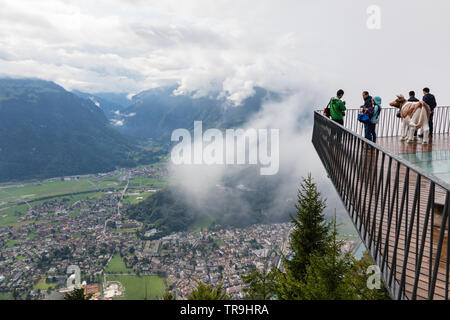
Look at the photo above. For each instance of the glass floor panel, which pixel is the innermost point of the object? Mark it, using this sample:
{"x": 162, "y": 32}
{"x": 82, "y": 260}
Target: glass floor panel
{"x": 436, "y": 163}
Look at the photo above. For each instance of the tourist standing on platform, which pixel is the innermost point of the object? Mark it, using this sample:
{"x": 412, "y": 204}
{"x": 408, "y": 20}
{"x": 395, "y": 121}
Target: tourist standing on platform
{"x": 366, "y": 109}
{"x": 412, "y": 97}
{"x": 374, "y": 110}
{"x": 430, "y": 100}
{"x": 337, "y": 107}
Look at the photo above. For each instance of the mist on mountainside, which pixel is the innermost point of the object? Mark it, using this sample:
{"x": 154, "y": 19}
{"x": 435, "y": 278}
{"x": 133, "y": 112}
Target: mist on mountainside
{"x": 239, "y": 195}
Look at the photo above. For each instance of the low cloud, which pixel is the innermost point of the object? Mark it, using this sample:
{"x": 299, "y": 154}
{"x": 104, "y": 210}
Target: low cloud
{"x": 118, "y": 123}
{"x": 293, "y": 117}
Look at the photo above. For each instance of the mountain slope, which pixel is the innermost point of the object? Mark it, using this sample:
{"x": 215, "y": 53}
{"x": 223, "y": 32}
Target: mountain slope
{"x": 109, "y": 107}
{"x": 157, "y": 112}
{"x": 46, "y": 131}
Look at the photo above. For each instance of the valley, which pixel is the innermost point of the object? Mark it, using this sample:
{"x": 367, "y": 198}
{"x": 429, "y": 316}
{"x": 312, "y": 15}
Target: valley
{"x": 47, "y": 225}
{"x": 88, "y": 183}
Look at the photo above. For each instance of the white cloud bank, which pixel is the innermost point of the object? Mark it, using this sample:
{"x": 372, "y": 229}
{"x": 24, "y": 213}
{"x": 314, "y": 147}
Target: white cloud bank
{"x": 230, "y": 46}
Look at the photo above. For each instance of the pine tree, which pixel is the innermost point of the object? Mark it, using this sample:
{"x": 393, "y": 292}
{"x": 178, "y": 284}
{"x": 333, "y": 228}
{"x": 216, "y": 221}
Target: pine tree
{"x": 311, "y": 232}
{"x": 260, "y": 284}
{"x": 357, "y": 278}
{"x": 325, "y": 274}
{"x": 14, "y": 294}
{"x": 168, "y": 295}
{"x": 317, "y": 268}
{"x": 77, "y": 294}
{"x": 206, "y": 292}
{"x": 145, "y": 283}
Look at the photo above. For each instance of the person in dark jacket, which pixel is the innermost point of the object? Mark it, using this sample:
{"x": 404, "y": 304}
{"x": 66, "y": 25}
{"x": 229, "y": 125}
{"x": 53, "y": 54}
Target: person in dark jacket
{"x": 367, "y": 100}
{"x": 412, "y": 97}
{"x": 430, "y": 100}
{"x": 367, "y": 108}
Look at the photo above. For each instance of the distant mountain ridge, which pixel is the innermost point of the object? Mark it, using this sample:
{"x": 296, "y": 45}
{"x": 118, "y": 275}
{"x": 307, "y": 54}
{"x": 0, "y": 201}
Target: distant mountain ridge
{"x": 46, "y": 131}
{"x": 110, "y": 103}
{"x": 155, "y": 113}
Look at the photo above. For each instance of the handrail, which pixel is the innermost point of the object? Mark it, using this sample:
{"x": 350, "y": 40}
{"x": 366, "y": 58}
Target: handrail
{"x": 415, "y": 168}
{"x": 390, "y": 126}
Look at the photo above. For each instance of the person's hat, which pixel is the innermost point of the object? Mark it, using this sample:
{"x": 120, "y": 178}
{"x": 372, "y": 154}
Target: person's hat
{"x": 377, "y": 100}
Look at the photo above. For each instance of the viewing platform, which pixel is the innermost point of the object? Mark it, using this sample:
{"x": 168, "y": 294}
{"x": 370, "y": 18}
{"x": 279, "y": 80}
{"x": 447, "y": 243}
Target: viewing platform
{"x": 397, "y": 195}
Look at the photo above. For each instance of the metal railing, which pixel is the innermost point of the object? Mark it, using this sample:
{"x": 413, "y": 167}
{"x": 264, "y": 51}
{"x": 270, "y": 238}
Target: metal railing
{"x": 400, "y": 211}
{"x": 390, "y": 126}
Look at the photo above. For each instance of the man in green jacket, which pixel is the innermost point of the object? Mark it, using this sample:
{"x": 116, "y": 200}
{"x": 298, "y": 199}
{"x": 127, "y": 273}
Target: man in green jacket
{"x": 337, "y": 107}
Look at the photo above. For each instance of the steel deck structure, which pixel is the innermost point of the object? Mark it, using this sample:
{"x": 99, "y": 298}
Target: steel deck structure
{"x": 401, "y": 212}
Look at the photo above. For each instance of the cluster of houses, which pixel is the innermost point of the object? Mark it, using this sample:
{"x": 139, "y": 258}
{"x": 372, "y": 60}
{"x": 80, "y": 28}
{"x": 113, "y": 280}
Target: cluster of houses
{"x": 53, "y": 236}
{"x": 221, "y": 256}
{"x": 58, "y": 232}
{"x": 36, "y": 253}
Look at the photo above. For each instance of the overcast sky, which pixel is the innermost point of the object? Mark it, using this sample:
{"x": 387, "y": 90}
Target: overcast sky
{"x": 230, "y": 46}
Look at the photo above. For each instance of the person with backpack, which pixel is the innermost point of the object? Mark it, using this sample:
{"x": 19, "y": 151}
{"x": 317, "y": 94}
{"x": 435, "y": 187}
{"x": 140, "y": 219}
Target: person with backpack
{"x": 366, "y": 113}
{"x": 373, "y": 112}
{"x": 337, "y": 107}
{"x": 412, "y": 98}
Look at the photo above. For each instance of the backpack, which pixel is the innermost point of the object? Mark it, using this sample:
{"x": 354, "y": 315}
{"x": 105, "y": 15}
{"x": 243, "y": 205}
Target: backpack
{"x": 364, "y": 118}
{"x": 376, "y": 113}
{"x": 327, "y": 111}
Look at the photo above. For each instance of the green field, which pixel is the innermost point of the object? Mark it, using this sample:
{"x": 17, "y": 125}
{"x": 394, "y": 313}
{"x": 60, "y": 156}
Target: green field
{"x": 10, "y": 215}
{"x": 116, "y": 265}
{"x": 132, "y": 199}
{"x": 135, "y": 287}
{"x": 203, "y": 223}
{"x": 12, "y": 243}
{"x": 22, "y": 223}
{"x": 220, "y": 243}
{"x": 29, "y": 191}
{"x": 147, "y": 182}
{"x": 6, "y": 296}
{"x": 130, "y": 230}
{"x": 13, "y": 197}
{"x": 44, "y": 189}
{"x": 44, "y": 286}
{"x": 74, "y": 214}
{"x": 32, "y": 235}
